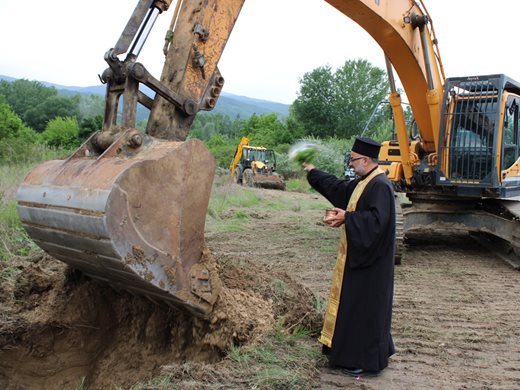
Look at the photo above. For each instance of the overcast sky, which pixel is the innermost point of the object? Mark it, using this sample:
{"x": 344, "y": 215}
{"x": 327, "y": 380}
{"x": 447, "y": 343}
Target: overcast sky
{"x": 273, "y": 44}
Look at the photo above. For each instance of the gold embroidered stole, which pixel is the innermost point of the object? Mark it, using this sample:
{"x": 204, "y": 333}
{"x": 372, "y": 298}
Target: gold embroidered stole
{"x": 329, "y": 322}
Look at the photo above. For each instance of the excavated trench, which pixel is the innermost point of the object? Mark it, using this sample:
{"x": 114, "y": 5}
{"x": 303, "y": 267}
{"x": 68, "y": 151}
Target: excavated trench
{"x": 60, "y": 329}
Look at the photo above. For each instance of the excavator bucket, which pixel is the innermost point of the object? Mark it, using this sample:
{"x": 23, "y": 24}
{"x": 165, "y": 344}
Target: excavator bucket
{"x": 132, "y": 217}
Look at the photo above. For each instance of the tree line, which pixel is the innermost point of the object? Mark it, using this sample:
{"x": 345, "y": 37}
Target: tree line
{"x": 330, "y": 104}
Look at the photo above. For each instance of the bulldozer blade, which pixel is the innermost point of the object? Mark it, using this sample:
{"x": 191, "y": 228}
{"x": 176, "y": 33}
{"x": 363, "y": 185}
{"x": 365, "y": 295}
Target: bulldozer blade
{"x": 131, "y": 218}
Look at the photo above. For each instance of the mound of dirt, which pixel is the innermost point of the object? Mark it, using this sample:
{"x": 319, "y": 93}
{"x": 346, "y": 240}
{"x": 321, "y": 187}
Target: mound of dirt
{"x": 60, "y": 329}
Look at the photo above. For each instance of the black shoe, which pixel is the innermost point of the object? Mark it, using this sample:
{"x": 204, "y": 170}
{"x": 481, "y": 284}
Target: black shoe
{"x": 352, "y": 371}
{"x": 359, "y": 372}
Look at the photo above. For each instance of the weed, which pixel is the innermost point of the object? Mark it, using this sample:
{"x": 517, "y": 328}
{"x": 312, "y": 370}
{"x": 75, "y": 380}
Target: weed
{"x": 241, "y": 215}
{"x": 82, "y": 384}
{"x": 236, "y": 354}
{"x": 279, "y": 287}
{"x": 9, "y": 273}
{"x": 278, "y": 378}
{"x": 320, "y": 303}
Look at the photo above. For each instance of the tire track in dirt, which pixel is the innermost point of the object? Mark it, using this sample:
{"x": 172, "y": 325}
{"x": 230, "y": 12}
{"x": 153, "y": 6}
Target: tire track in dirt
{"x": 456, "y": 321}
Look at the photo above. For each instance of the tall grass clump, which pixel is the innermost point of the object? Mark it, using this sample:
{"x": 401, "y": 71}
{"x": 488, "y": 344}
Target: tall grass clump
{"x": 282, "y": 360}
{"x": 15, "y": 164}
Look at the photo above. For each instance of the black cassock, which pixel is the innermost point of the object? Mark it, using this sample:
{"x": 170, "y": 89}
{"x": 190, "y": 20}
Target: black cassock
{"x": 362, "y": 336}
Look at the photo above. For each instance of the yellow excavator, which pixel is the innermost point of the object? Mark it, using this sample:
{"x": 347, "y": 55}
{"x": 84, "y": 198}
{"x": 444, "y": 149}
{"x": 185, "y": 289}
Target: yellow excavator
{"x": 255, "y": 166}
{"x": 129, "y": 208}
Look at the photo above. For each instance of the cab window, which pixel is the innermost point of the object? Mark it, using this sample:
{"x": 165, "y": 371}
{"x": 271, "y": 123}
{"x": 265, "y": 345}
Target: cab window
{"x": 510, "y": 132}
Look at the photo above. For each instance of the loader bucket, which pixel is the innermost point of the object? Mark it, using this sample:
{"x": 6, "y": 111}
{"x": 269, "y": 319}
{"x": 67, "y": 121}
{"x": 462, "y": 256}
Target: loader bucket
{"x": 269, "y": 181}
{"x": 133, "y": 218}
{"x": 262, "y": 180}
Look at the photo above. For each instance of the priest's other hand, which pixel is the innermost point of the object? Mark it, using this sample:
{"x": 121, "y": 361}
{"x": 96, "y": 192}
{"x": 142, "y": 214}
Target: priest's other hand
{"x": 337, "y": 219}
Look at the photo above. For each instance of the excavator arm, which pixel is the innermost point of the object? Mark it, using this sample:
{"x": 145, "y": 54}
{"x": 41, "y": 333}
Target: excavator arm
{"x": 244, "y": 141}
{"x": 402, "y": 30}
{"x": 129, "y": 208}
{"x": 190, "y": 80}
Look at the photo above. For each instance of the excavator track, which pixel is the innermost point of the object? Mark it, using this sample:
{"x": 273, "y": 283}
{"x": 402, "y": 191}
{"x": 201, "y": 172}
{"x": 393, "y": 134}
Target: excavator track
{"x": 494, "y": 222}
{"x": 399, "y": 232}
{"x": 512, "y": 205}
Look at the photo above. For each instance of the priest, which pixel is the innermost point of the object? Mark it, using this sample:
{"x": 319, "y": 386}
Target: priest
{"x": 356, "y": 329}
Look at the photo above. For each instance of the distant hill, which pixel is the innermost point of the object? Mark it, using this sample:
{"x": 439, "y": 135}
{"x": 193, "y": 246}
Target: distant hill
{"x": 228, "y": 103}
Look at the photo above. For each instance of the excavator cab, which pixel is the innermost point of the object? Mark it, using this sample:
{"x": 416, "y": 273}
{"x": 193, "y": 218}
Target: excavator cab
{"x": 479, "y": 148}
{"x": 260, "y": 160}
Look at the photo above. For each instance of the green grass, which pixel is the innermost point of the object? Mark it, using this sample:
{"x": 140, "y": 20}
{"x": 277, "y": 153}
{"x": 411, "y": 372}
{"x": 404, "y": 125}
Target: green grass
{"x": 11, "y": 232}
{"x": 284, "y": 359}
{"x": 10, "y": 178}
{"x": 227, "y": 196}
{"x": 232, "y": 208}
{"x": 159, "y": 382}
{"x": 278, "y": 378}
{"x": 82, "y": 384}
{"x": 279, "y": 287}
{"x": 231, "y": 226}
{"x": 298, "y": 185}
{"x": 281, "y": 359}
{"x": 8, "y": 214}
{"x": 320, "y": 303}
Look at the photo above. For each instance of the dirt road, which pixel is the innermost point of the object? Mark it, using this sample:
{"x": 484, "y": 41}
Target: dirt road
{"x": 456, "y": 318}
{"x": 456, "y": 321}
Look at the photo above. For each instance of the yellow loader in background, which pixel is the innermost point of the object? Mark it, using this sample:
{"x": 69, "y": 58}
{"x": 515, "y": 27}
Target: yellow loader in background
{"x": 255, "y": 166}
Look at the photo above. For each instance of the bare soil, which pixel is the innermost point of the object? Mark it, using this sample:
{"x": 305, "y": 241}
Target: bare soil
{"x": 456, "y": 318}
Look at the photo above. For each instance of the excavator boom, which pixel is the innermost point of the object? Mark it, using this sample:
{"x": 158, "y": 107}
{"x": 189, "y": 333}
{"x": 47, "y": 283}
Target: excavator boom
{"x": 129, "y": 207}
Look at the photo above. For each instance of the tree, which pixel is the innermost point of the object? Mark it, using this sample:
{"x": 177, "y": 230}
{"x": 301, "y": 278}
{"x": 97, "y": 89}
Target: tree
{"x": 313, "y": 108}
{"x": 62, "y": 132}
{"x": 55, "y": 106}
{"x": 11, "y": 126}
{"x": 222, "y": 149}
{"x": 339, "y": 104}
{"x": 266, "y": 130}
{"x": 15, "y": 137}
{"x": 37, "y": 104}
{"x": 87, "y": 126}
{"x": 23, "y": 95}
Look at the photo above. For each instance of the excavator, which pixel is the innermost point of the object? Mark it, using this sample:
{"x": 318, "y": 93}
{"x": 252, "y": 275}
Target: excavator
{"x": 255, "y": 166}
{"x": 128, "y": 207}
